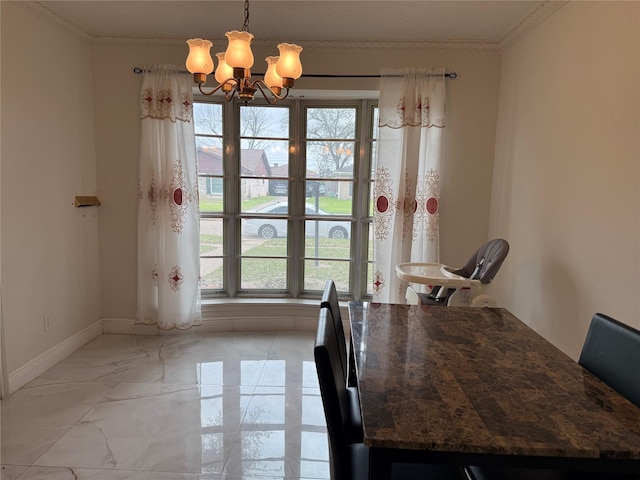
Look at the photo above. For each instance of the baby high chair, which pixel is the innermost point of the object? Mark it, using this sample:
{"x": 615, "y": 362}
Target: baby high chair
{"x": 456, "y": 286}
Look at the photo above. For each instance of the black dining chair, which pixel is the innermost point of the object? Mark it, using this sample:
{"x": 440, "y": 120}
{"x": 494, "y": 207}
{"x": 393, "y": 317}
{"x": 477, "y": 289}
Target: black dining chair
{"x": 354, "y": 420}
{"x": 330, "y": 300}
{"x": 350, "y": 461}
{"x": 611, "y": 352}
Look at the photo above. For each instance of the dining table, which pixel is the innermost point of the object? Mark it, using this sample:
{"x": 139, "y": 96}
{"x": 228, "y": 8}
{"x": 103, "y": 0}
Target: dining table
{"x": 477, "y": 386}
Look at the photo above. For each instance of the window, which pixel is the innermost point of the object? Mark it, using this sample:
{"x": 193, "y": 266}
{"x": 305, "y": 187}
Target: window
{"x": 285, "y": 197}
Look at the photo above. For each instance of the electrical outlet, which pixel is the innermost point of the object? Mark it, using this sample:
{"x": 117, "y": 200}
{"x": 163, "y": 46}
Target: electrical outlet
{"x": 47, "y": 323}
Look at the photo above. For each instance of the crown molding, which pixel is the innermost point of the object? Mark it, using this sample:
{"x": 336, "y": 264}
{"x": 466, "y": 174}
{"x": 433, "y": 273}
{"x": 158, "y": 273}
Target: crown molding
{"x": 531, "y": 21}
{"x": 467, "y": 45}
{"x": 327, "y": 45}
{"x": 40, "y": 9}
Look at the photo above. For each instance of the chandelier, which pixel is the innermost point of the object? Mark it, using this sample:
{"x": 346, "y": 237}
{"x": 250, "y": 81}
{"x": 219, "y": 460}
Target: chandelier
{"x": 234, "y": 66}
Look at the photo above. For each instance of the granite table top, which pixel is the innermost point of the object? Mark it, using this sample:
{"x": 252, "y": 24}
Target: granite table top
{"x": 480, "y": 381}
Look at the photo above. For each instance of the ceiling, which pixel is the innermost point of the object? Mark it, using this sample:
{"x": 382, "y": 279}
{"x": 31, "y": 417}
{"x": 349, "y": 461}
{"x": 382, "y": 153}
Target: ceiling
{"x": 302, "y": 20}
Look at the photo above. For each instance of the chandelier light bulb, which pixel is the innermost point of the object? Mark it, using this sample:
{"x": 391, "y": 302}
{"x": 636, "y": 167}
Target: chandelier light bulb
{"x": 289, "y": 65}
{"x": 271, "y": 77}
{"x": 224, "y": 71}
{"x": 238, "y": 54}
{"x": 199, "y": 59}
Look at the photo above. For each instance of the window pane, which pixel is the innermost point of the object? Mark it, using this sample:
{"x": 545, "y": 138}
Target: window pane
{"x": 264, "y": 273}
{"x": 375, "y": 122}
{"x": 271, "y": 223}
{"x": 211, "y": 253}
{"x": 370, "y": 257}
{"x": 210, "y": 174}
{"x": 210, "y": 145}
{"x": 263, "y": 122}
{"x": 207, "y": 118}
{"x": 211, "y": 273}
{"x": 332, "y": 123}
{"x": 278, "y": 188}
{"x": 336, "y": 200}
{"x": 211, "y": 240}
{"x": 262, "y": 247}
{"x": 314, "y": 189}
{"x": 371, "y": 198}
{"x": 211, "y": 194}
{"x": 327, "y": 159}
{"x": 316, "y": 271}
{"x": 329, "y": 231}
{"x": 254, "y": 193}
{"x": 264, "y": 158}
{"x": 374, "y": 158}
{"x": 254, "y": 163}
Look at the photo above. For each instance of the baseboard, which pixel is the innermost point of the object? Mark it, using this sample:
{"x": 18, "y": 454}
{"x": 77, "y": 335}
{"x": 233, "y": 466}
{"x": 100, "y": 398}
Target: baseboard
{"x": 248, "y": 324}
{"x": 43, "y": 362}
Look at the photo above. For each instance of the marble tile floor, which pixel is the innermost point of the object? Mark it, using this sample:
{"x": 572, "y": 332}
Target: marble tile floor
{"x": 231, "y": 406}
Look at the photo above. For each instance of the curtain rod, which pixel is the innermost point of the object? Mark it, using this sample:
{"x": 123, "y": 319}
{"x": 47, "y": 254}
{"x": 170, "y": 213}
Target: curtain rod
{"x": 450, "y": 75}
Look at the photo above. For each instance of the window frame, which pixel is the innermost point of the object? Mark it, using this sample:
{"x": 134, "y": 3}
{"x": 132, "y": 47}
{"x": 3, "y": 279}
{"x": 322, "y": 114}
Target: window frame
{"x": 232, "y": 216}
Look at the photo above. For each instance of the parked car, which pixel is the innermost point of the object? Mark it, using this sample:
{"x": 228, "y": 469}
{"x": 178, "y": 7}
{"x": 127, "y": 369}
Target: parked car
{"x": 277, "y": 227}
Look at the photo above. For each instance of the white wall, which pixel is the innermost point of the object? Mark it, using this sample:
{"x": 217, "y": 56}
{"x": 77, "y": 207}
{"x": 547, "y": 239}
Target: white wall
{"x": 466, "y": 176}
{"x": 49, "y": 258}
{"x": 566, "y": 173}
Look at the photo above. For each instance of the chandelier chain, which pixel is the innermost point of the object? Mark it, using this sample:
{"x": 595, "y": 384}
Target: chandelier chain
{"x": 245, "y": 26}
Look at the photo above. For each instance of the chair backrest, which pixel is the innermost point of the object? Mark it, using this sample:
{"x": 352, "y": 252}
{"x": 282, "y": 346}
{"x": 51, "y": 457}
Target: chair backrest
{"x": 330, "y": 301}
{"x": 611, "y": 352}
{"x": 485, "y": 263}
{"x": 333, "y": 392}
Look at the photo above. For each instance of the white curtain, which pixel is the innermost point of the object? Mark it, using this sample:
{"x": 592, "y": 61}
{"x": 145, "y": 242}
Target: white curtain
{"x": 168, "y": 217}
{"x": 407, "y": 175}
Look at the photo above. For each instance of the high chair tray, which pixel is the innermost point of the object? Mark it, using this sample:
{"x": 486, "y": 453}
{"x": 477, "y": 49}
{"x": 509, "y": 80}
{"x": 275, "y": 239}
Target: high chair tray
{"x": 431, "y": 274}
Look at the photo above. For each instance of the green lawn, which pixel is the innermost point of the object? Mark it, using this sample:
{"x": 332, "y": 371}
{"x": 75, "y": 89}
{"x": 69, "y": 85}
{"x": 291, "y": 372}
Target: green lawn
{"x": 332, "y": 205}
{"x": 209, "y": 242}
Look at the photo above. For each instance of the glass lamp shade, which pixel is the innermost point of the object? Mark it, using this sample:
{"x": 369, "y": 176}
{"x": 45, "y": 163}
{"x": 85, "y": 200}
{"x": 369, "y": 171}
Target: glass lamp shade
{"x": 199, "y": 59}
{"x": 271, "y": 77}
{"x": 289, "y": 65}
{"x": 238, "y": 54}
{"x": 224, "y": 71}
